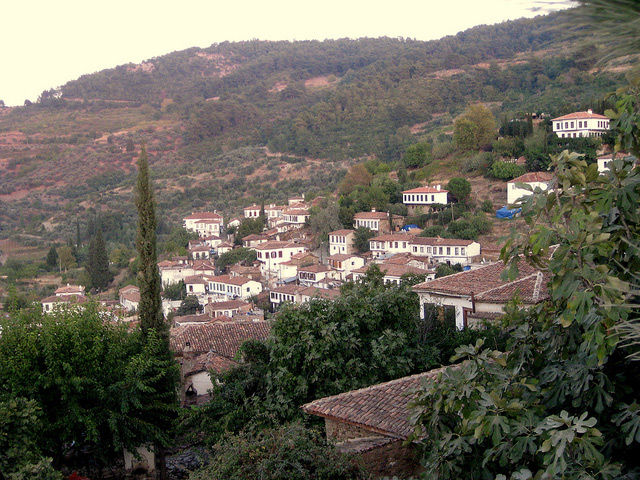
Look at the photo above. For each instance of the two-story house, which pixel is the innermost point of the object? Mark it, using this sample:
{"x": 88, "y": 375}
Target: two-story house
{"x": 271, "y": 254}
{"x": 341, "y": 242}
{"x": 204, "y": 223}
{"x": 233, "y": 287}
{"x": 422, "y": 198}
{"x": 390, "y": 244}
{"x": 580, "y": 124}
{"x": 445, "y": 250}
{"x": 345, "y": 264}
{"x": 377, "y": 221}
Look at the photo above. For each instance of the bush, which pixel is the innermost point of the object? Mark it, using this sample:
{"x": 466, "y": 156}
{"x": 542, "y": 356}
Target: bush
{"x": 290, "y": 452}
{"x": 506, "y": 171}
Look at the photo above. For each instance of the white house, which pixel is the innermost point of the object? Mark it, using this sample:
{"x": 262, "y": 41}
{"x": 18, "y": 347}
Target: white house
{"x": 129, "y": 297}
{"x": 196, "y": 285}
{"x": 423, "y": 198}
{"x": 253, "y": 240}
{"x": 201, "y": 252}
{"x": 341, "y": 242}
{"x": 345, "y": 264}
{"x": 580, "y": 124}
{"x": 390, "y": 243}
{"x": 204, "y": 223}
{"x": 515, "y": 189}
{"x": 393, "y": 273}
{"x": 376, "y": 221}
{"x": 315, "y": 275}
{"x": 299, "y": 294}
{"x": 604, "y": 160}
{"x": 295, "y": 217}
{"x": 233, "y": 287}
{"x": 445, "y": 250}
{"x": 271, "y": 254}
{"x": 253, "y": 211}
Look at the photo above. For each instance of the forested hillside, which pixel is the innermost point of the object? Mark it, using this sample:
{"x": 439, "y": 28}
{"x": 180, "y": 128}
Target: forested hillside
{"x": 256, "y": 121}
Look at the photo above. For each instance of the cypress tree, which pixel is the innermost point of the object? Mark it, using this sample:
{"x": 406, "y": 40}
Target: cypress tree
{"x": 150, "y": 307}
{"x": 97, "y": 266}
{"x": 52, "y": 258}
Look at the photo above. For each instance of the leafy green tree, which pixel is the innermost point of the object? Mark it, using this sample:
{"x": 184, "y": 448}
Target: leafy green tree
{"x": 175, "y": 291}
{"x": 150, "y": 306}
{"x": 234, "y": 256}
{"x": 97, "y": 266}
{"x": 288, "y": 452}
{"x": 249, "y": 226}
{"x": 324, "y": 219}
{"x": 370, "y": 334}
{"x": 506, "y": 171}
{"x": 460, "y": 188}
{"x": 361, "y": 239}
{"x": 475, "y": 128}
{"x": 66, "y": 258}
{"x": 96, "y": 383}
{"x": 20, "y": 455}
{"x": 189, "y": 306}
{"x": 417, "y": 155}
{"x": 561, "y": 401}
{"x": 52, "y": 258}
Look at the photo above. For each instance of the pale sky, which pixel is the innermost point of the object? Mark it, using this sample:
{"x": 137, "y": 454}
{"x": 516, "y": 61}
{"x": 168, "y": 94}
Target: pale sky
{"x": 46, "y": 43}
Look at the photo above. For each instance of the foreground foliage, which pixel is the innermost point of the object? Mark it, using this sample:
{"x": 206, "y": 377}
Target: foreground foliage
{"x": 85, "y": 383}
{"x": 562, "y": 400}
{"x": 290, "y": 452}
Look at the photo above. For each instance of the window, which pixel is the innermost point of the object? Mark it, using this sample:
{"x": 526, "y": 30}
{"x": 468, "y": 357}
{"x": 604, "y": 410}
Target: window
{"x": 280, "y": 254}
{"x": 462, "y": 251}
{"x": 457, "y": 250}
{"x": 448, "y": 250}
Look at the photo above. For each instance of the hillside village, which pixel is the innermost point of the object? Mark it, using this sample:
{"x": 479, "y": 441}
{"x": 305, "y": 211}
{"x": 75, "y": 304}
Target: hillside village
{"x": 391, "y": 310}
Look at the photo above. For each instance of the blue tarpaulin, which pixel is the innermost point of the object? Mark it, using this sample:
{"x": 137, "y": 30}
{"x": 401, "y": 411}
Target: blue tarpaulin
{"x": 504, "y": 212}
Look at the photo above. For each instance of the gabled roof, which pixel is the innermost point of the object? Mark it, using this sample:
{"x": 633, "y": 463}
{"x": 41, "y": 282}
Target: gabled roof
{"x": 228, "y": 305}
{"x": 441, "y": 242}
{"x": 486, "y": 285}
{"x": 342, "y": 233}
{"x": 532, "y": 177}
{"x": 373, "y": 216}
{"x": 381, "y": 408}
{"x": 223, "y": 338}
{"x": 288, "y": 289}
{"x": 195, "y": 279}
{"x": 427, "y": 190}
{"x": 314, "y": 268}
{"x": 340, "y": 257}
{"x": 235, "y": 280}
{"x": 580, "y": 116}
{"x": 70, "y": 290}
{"x": 320, "y": 292}
{"x": 274, "y": 244}
{"x": 204, "y": 216}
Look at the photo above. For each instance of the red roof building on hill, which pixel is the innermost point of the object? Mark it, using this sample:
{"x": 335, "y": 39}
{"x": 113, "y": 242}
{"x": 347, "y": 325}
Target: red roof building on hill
{"x": 580, "y": 124}
{"x": 424, "y": 197}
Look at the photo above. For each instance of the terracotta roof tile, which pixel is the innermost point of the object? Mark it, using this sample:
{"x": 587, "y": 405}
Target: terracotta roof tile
{"x": 533, "y": 177}
{"x": 426, "y": 190}
{"x": 580, "y": 115}
{"x": 381, "y": 408}
{"x": 486, "y": 284}
{"x": 222, "y": 338}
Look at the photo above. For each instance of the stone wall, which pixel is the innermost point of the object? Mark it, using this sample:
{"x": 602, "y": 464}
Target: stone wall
{"x": 341, "y": 431}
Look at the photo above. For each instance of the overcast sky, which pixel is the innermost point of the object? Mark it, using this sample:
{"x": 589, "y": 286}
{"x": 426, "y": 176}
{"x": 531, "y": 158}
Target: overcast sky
{"x": 45, "y": 43}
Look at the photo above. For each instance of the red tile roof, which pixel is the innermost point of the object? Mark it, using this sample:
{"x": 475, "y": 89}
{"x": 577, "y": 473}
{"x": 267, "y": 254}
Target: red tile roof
{"x": 274, "y": 244}
{"x": 487, "y": 286}
{"x": 320, "y": 292}
{"x": 204, "y": 216}
{"x": 533, "y": 177}
{"x": 223, "y": 338}
{"x": 342, "y": 233}
{"x": 381, "y": 408}
{"x": 426, "y": 190}
{"x": 372, "y": 216}
{"x": 236, "y": 280}
{"x": 441, "y": 242}
{"x": 580, "y": 115}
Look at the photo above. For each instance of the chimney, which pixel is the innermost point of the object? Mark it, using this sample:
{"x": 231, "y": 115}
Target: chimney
{"x": 589, "y": 111}
{"x": 438, "y": 187}
{"x": 373, "y": 210}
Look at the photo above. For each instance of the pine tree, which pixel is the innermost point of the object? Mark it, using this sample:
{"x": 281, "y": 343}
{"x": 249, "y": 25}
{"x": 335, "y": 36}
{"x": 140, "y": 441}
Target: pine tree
{"x": 97, "y": 265}
{"x": 150, "y": 307}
